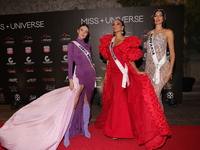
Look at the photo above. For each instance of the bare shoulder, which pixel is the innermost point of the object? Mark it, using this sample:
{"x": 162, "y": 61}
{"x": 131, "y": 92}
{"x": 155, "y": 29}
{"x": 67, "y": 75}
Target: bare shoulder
{"x": 148, "y": 33}
{"x": 169, "y": 32}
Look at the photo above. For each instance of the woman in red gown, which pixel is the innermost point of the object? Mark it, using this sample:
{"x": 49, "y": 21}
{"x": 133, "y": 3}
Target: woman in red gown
{"x": 130, "y": 106}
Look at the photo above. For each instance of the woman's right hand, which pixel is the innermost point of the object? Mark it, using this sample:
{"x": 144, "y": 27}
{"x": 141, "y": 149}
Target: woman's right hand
{"x": 71, "y": 84}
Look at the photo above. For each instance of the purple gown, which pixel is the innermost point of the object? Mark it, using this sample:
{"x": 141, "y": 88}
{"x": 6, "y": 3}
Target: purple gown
{"x": 86, "y": 75}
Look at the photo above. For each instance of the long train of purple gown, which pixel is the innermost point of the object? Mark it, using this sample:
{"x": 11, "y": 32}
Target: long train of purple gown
{"x": 41, "y": 124}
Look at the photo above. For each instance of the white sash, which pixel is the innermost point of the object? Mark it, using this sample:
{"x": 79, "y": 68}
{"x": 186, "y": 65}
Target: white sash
{"x": 124, "y": 70}
{"x": 159, "y": 64}
{"x": 87, "y": 54}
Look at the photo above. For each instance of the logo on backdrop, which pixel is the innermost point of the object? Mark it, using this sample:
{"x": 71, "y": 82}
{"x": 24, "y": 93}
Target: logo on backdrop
{"x": 28, "y": 50}
{"x": 32, "y": 97}
{"x": 29, "y": 61}
{"x": 64, "y": 59}
{"x": 65, "y": 37}
{"x": 12, "y": 70}
{"x": 48, "y": 79}
{"x": 64, "y": 69}
{"x": 11, "y": 62}
{"x": 45, "y": 39}
{"x": 47, "y": 60}
{"x": 31, "y": 80}
{"x": 9, "y": 50}
{"x": 22, "y": 25}
{"x": 65, "y": 48}
{"x": 17, "y": 97}
{"x": 144, "y": 33}
{"x": 13, "y": 88}
{"x": 103, "y": 67}
{"x": 110, "y": 20}
{"x": 49, "y": 87}
{"x": 12, "y": 80}
{"x": 48, "y": 69}
{"x": 99, "y": 79}
{"x": 9, "y": 41}
{"x": 29, "y": 69}
{"x": 46, "y": 49}
{"x": 30, "y": 87}
{"x": 27, "y": 40}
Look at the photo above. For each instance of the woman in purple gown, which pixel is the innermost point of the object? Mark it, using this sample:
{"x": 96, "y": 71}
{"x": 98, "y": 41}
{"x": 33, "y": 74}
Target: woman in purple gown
{"x": 63, "y": 112}
{"x": 78, "y": 54}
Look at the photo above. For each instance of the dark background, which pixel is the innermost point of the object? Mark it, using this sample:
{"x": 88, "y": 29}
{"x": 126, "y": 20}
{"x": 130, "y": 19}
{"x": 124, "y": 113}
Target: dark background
{"x": 60, "y": 28}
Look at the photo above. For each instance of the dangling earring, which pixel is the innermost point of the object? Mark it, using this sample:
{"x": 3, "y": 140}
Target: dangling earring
{"x": 122, "y": 32}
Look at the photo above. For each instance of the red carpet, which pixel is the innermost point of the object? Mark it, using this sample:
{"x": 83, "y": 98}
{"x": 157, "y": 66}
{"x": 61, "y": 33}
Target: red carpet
{"x": 183, "y": 138}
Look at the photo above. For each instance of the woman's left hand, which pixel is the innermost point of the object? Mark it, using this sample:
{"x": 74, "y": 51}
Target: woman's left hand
{"x": 167, "y": 77}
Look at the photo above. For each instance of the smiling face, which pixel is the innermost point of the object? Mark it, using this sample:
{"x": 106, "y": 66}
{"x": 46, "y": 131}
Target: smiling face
{"x": 158, "y": 17}
{"x": 117, "y": 26}
{"x": 82, "y": 32}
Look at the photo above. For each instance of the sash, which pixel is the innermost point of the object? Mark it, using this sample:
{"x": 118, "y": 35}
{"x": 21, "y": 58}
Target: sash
{"x": 124, "y": 70}
{"x": 87, "y": 54}
{"x": 157, "y": 64}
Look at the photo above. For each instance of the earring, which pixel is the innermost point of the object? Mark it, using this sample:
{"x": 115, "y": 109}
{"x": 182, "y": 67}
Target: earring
{"x": 122, "y": 32}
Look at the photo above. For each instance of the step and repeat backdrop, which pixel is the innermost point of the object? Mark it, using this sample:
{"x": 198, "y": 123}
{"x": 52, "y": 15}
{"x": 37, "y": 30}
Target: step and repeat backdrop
{"x": 33, "y": 47}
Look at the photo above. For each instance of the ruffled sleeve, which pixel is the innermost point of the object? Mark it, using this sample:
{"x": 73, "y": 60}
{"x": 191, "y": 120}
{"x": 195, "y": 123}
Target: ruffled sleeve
{"x": 131, "y": 48}
{"x": 104, "y": 45}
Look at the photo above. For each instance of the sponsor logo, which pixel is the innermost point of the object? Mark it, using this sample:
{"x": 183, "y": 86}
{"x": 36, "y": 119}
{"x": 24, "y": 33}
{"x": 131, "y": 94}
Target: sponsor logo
{"x": 28, "y": 50}
{"x": 11, "y": 62}
{"x": 98, "y": 87}
{"x": 64, "y": 59}
{"x": 30, "y": 87}
{"x": 98, "y": 78}
{"x": 17, "y": 97}
{"x": 13, "y": 88}
{"x": 9, "y": 50}
{"x": 9, "y": 41}
{"x": 11, "y": 70}
{"x": 144, "y": 33}
{"x": 65, "y": 48}
{"x": 28, "y": 61}
{"x": 66, "y": 81}
{"x": 65, "y": 37}
{"x": 48, "y": 79}
{"x": 45, "y": 39}
{"x": 47, "y": 60}
{"x": 49, "y": 87}
{"x": 46, "y": 49}
{"x": 64, "y": 69}
{"x": 12, "y": 80}
{"x": 31, "y": 80}
{"x": 103, "y": 67}
{"x": 29, "y": 69}
{"x": 27, "y": 39}
{"x": 32, "y": 97}
{"x": 48, "y": 69}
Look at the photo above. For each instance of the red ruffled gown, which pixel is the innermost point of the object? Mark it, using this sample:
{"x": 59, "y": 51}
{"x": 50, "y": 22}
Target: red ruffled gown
{"x": 133, "y": 111}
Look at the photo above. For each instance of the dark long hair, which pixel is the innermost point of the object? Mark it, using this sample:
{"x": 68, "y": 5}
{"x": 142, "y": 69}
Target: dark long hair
{"x": 124, "y": 32}
{"x": 164, "y": 17}
{"x": 86, "y": 40}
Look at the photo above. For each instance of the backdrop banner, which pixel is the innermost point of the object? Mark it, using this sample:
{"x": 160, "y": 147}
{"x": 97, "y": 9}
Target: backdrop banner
{"x": 33, "y": 47}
